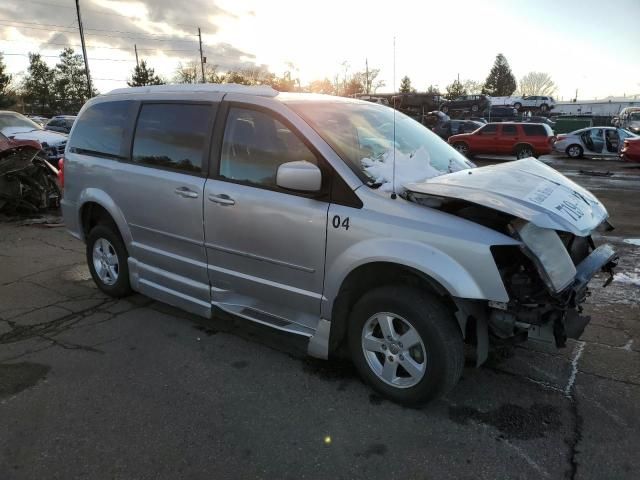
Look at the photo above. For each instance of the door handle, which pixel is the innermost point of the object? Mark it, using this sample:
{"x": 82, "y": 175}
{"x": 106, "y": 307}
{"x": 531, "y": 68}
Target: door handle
{"x": 184, "y": 192}
{"x": 222, "y": 199}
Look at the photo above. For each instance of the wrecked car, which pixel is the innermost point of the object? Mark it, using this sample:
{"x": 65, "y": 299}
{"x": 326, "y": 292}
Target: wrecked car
{"x": 349, "y": 226}
{"x": 27, "y": 179}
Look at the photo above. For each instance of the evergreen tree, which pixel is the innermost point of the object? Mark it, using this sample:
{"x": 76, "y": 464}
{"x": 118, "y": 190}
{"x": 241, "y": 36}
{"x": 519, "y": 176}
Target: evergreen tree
{"x": 501, "y": 81}
{"x": 6, "y": 97}
{"x": 143, "y": 75}
{"x": 37, "y": 87}
{"x": 70, "y": 83}
{"x": 405, "y": 85}
{"x": 454, "y": 90}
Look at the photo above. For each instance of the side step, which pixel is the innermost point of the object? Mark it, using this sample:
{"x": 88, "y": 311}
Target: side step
{"x": 265, "y": 318}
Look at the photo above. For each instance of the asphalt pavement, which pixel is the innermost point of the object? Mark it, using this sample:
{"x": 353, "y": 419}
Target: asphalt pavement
{"x": 92, "y": 387}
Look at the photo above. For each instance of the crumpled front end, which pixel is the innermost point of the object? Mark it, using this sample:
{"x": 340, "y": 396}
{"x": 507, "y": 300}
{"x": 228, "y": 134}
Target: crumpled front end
{"x": 547, "y": 279}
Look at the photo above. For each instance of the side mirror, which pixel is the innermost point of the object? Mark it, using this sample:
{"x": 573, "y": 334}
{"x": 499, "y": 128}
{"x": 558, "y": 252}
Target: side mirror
{"x": 302, "y": 176}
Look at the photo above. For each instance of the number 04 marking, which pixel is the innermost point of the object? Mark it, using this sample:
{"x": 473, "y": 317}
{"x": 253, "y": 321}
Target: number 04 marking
{"x": 338, "y": 222}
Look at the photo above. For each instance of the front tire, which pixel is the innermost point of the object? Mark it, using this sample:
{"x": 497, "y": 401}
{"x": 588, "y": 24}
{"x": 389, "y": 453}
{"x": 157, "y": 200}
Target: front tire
{"x": 444, "y": 109}
{"x": 107, "y": 259}
{"x": 462, "y": 148}
{"x": 406, "y": 344}
{"x": 517, "y": 105}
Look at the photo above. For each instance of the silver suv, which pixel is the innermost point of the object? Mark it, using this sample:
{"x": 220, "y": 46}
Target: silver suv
{"x": 340, "y": 221}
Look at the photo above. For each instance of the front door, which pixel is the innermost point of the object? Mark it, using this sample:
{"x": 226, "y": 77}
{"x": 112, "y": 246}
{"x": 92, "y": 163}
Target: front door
{"x": 265, "y": 246}
{"x": 508, "y": 138}
{"x": 160, "y": 193}
{"x": 485, "y": 140}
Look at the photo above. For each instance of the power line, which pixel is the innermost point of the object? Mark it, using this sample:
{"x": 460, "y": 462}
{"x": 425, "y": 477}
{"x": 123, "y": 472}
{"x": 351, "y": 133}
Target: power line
{"x": 151, "y": 49}
{"x": 58, "y": 56}
{"x": 98, "y": 12}
{"x": 143, "y": 35}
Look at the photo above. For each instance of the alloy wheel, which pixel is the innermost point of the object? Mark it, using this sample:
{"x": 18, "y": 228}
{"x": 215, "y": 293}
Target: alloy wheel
{"x": 105, "y": 261}
{"x": 394, "y": 350}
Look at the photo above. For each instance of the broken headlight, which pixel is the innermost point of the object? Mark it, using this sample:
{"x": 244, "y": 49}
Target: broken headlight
{"x": 545, "y": 248}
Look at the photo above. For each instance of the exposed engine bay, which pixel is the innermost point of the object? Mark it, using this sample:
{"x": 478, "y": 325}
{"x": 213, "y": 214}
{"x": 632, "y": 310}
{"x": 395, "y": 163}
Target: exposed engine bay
{"x": 546, "y": 275}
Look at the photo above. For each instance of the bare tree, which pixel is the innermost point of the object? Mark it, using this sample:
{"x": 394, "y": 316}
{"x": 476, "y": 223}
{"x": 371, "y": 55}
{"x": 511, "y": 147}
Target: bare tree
{"x": 472, "y": 87}
{"x": 537, "y": 83}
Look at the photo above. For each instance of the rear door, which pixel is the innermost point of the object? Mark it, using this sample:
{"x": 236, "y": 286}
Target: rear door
{"x": 265, "y": 245}
{"x": 160, "y": 191}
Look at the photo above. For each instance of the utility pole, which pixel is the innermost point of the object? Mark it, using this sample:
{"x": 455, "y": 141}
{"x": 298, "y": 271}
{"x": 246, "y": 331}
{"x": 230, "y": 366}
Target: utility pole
{"x": 135, "y": 47}
{"x": 84, "y": 48}
{"x": 366, "y": 78}
{"x": 201, "y": 58}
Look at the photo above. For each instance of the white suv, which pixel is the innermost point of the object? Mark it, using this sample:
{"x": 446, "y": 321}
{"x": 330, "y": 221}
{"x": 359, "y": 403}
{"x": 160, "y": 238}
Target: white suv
{"x": 544, "y": 103}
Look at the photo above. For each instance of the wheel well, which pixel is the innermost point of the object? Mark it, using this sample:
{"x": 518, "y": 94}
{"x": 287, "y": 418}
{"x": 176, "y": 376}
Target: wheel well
{"x": 93, "y": 214}
{"x": 367, "y": 277}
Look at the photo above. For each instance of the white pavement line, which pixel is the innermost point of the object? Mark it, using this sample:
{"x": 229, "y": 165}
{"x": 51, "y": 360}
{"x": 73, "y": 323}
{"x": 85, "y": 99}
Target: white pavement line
{"x": 574, "y": 368}
{"x": 538, "y": 468}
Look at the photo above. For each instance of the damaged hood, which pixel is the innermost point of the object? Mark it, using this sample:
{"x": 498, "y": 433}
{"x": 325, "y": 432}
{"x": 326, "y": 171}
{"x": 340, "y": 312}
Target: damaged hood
{"x": 527, "y": 189}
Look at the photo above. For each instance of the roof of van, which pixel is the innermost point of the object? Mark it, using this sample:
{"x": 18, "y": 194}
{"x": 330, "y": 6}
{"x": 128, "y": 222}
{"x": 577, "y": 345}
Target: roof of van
{"x": 258, "y": 90}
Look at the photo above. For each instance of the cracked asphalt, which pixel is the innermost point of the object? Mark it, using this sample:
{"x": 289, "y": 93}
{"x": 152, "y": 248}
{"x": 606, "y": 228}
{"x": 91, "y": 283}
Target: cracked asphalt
{"x": 92, "y": 387}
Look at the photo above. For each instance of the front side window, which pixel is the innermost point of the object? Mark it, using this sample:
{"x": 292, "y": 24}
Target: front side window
{"x": 172, "y": 136}
{"x": 255, "y": 144}
{"x": 101, "y": 129}
{"x": 490, "y": 129}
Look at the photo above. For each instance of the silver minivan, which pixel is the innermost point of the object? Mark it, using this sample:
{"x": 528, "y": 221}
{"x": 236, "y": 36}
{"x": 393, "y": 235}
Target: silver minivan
{"x": 340, "y": 221}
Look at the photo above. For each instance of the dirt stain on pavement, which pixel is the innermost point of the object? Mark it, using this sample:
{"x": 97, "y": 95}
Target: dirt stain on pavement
{"x": 513, "y": 421}
{"x": 16, "y": 377}
{"x": 379, "y": 449}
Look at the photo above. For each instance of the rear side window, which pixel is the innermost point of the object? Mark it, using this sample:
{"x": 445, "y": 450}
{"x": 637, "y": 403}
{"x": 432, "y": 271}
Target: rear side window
{"x": 101, "y": 129}
{"x": 534, "y": 130}
{"x": 172, "y": 136}
{"x": 509, "y": 130}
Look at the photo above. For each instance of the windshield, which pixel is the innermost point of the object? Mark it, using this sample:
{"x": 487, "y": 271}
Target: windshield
{"x": 363, "y": 135}
{"x": 16, "y": 120}
{"x": 634, "y": 117}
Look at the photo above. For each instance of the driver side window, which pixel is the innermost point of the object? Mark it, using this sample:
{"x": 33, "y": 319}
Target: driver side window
{"x": 255, "y": 144}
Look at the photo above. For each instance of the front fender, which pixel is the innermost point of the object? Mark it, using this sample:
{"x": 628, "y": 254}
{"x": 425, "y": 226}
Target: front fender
{"x": 479, "y": 280}
{"x": 103, "y": 199}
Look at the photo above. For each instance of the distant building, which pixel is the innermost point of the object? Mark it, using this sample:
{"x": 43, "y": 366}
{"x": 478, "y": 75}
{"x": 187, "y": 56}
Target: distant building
{"x": 606, "y": 107}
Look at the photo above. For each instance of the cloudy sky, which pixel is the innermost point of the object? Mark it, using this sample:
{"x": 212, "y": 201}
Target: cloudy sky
{"x": 589, "y": 45}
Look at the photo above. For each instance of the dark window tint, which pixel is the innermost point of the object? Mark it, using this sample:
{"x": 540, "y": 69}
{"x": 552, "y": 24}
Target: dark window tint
{"x": 101, "y": 129}
{"x": 489, "y": 129}
{"x": 172, "y": 136}
{"x": 255, "y": 145}
{"x": 534, "y": 130}
{"x": 509, "y": 130}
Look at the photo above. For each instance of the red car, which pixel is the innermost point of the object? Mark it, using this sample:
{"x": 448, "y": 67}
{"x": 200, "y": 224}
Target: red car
{"x": 631, "y": 150}
{"x": 7, "y": 143}
{"x": 520, "y": 139}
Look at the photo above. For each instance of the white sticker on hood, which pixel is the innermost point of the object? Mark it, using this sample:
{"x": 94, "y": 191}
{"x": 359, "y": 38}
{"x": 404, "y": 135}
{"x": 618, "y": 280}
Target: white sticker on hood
{"x": 569, "y": 205}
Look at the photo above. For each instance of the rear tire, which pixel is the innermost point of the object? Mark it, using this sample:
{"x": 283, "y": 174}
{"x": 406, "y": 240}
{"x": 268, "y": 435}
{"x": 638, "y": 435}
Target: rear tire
{"x": 574, "y": 151}
{"x": 524, "y": 151}
{"x": 517, "y": 105}
{"x": 434, "y": 358}
{"x": 444, "y": 109}
{"x": 107, "y": 259}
